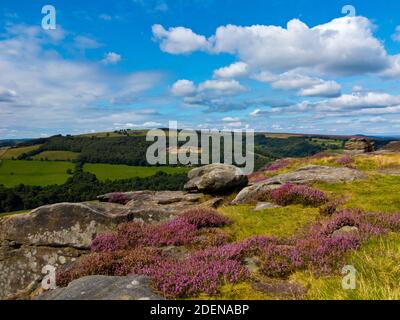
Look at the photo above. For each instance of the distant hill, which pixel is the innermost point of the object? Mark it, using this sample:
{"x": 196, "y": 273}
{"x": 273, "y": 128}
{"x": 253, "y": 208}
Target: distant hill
{"x": 12, "y": 142}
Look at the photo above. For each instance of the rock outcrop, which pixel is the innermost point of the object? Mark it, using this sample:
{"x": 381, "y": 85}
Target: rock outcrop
{"x": 216, "y": 179}
{"x": 62, "y": 225}
{"x": 159, "y": 205}
{"x": 393, "y": 146}
{"x": 305, "y": 175}
{"x": 60, "y": 233}
{"x": 104, "y": 288}
{"x": 359, "y": 145}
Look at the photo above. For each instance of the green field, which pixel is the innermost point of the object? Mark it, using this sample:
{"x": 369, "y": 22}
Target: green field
{"x": 118, "y": 172}
{"x": 56, "y": 156}
{"x": 16, "y": 152}
{"x": 35, "y": 173}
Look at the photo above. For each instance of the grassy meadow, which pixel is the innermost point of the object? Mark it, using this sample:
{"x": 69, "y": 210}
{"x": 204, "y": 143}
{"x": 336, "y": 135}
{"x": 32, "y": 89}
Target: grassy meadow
{"x": 35, "y": 173}
{"x": 118, "y": 172}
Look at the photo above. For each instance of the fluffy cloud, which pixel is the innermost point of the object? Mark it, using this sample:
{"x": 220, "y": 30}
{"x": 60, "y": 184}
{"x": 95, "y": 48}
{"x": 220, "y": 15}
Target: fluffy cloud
{"x": 221, "y": 87}
{"x": 343, "y": 46}
{"x": 183, "y": 88}
{"x": 235, "y": 70}
{"x": 323, "y": 89}
{"x": 179, "y": 40}
{"x": 359, "y": 101}
{"x": 307, "y": 86}
{"x": 112, "y": 58}
{"x": 208, "y": 88}
{"x": 347, "y": 105}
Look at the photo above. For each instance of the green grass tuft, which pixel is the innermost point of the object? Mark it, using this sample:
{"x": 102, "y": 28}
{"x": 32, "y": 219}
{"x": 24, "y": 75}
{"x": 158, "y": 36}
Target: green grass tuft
{"x": 271, "y": 222}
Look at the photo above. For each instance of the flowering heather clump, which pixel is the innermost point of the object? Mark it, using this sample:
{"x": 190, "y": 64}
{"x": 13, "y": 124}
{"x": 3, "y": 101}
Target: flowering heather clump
{"x": 345, "y": 160}
{"x": 389, "y": 222}
{"x": 354, "y": 218}
{"x": 119, "y": 198}
{"x": 205, "y": 218}
{"x": 183, "y": 230}
{"x": 119, "y": 263}
{"x": 204, "y": 271}
{"x": 173, "y": 233}
{"x": 323, "y": 254}
{"x": 209, "y": 238}
{"x": 105, "y": 243}
{"x": 256, "y": 177}
{"x": 278, "y": 165}
{"x": 289, "y": 194}
{"x": 278, "y": 261}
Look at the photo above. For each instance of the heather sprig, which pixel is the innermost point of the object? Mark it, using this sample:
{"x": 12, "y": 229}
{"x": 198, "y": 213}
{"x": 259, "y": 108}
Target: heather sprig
{"x": 119, "y": 198}
{"x": 345, "y": 160}
{"x": 289, "y": 194}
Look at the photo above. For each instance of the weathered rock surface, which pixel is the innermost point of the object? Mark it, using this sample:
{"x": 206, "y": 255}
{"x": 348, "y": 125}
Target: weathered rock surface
{"x": 265, "y": 205}
{"x": 104, "y": 288}
{"x": 60, "y": 233}
{"x": 281, "y": 289}
{"x": 159, "y": 205}
{"x": 21, "y": 267}
{"x": 216, "y": 178}
{"x": 305, "y": 175}
{"x": 346, "y": 231}
{"x": 62, "y": 225}
{"x": 50, "y": 235}
{"x": 359, "y": 145}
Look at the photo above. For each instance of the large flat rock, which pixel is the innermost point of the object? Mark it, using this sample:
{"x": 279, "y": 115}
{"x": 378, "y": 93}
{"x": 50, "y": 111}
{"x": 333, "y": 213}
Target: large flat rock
{"x": 104, "y": 288}
{"x": 63, "y": 225}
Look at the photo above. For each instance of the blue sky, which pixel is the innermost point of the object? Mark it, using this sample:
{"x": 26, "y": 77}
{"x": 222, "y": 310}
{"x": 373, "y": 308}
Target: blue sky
{"x": 279, "y": 66}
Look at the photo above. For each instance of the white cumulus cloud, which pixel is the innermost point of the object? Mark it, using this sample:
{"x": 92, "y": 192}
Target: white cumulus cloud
{"x": 238, "y": 69}
{"x": 112, "y": 58}
{"x": 179, "y": 40}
